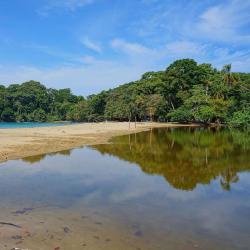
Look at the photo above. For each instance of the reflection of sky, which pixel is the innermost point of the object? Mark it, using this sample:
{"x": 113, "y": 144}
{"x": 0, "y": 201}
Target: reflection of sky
{"x": 92, "y": 179}
{"x": 87, "y": 171}
{"x": 84, "y": 173}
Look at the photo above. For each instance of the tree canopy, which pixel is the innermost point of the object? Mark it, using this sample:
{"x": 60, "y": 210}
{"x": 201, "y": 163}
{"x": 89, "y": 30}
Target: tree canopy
{"x": 185, "y": 92}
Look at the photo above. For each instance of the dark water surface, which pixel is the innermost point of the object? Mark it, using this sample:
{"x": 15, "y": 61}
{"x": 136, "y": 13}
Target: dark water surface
{"x": 163, "y": 189}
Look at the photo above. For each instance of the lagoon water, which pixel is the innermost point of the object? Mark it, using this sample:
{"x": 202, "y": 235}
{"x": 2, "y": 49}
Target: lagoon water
{"x": 163, "y": 189}
{"x": 29, "y": 124}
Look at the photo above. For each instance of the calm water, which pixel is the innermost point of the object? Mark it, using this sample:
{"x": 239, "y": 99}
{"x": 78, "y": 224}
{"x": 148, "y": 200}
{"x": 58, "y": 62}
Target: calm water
{"x": 163, "y": 189}
{"x": 29, "y": 124}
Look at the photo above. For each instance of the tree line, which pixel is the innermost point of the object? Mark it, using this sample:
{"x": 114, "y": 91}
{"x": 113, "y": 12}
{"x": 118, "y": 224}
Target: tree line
{"x": 159, "y": 151}
{"x": 185, "y": 92}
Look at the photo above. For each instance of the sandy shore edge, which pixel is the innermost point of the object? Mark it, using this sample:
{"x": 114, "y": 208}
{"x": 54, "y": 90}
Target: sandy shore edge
{"x": 24, "y": 142}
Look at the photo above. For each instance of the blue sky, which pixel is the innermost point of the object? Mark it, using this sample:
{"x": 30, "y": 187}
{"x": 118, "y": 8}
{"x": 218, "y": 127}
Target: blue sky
{"x": 91, "y": 45}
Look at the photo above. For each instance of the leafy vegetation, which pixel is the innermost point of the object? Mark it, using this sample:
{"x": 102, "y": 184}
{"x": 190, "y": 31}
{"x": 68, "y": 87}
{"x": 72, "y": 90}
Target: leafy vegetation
{"x": 184, "y": 92}
{"x": 31, "y": 101}
{"x": 186, "y": 157}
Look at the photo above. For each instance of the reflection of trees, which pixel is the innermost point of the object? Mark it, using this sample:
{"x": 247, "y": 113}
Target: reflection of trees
{"x": 38, "y": 158}
{"x": 34, "y": 158}
{"x": 229, "y": 176}
{"x": 185, "y": 157}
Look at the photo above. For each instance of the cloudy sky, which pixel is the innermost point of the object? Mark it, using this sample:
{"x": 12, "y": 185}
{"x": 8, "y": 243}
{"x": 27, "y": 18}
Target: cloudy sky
{"x": 91, "y": 45}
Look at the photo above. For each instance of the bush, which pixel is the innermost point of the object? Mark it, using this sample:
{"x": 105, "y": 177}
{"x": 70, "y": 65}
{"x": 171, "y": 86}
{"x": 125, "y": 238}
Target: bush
{"x": 181, "y": 114}
{"x": 8, "y": 115}
{"x": 240, "y": 119}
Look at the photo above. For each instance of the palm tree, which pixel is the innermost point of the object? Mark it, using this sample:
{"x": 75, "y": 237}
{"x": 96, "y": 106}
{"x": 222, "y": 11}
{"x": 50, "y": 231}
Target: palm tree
{"x": 229, "y": 176}
{"x": 228, "y": 77}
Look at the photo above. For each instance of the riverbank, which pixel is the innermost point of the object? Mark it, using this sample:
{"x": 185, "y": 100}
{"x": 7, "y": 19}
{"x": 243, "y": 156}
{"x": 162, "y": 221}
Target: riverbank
{"x": 23, "y": 142}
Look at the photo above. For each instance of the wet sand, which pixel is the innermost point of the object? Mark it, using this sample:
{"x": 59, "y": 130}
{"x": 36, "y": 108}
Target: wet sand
{"x": 44, "y": 229}
{"x": 23, "y": 142}
{"x": 54, "y": 228}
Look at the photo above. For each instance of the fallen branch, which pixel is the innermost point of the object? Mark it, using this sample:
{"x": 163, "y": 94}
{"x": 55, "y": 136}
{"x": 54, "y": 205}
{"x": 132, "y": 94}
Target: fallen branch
{"x": 9, "y": 224}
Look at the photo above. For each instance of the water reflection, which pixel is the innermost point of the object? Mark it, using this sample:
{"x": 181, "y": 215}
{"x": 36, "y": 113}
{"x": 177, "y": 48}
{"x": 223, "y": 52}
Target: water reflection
{"x": 37, "y": 158}
{"x": 99, "y": 198}
{"x": 185, "y": 158}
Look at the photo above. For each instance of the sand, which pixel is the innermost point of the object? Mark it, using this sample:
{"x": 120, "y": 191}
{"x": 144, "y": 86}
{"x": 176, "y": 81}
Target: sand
{"x": 23, "y": 142}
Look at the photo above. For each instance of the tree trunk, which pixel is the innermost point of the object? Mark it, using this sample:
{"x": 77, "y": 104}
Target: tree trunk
{"x": 206, "y": 89}
{"x": 172, "y": 104}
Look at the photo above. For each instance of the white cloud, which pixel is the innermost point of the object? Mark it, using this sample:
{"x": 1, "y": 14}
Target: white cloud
{"x": 91, "y": 45}
{"x": 242, "y": 64}
{"x": 240, "y": 59}
{"x": 70, "y": 5}
{"x": 185, "y": 48}
{"x": 176, "y": 49}
{"x": 87, "y": 75}
{"x": 226, "y": 22}
{"x": 222, "y": 21}
{"x": 92, "y": 76}
{"x": 130, "y": 48}
{"x": 51, "y": 51}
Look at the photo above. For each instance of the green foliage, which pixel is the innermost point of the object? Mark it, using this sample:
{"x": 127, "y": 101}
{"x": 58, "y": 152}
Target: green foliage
{"x": 240, "y": 119}
{"x": 185, "y": 92}
{"x": 182, "y": 114}
{"x": 200, "y": 107}
{"x": 39, "y": 115}
{"x": 78, "y": 112}
{"x": 8, "y": 115}
{"x": 32, "y": 101}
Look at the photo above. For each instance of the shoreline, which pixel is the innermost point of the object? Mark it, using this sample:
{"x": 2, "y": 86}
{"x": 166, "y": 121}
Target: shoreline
{"x": 17, "y": 143}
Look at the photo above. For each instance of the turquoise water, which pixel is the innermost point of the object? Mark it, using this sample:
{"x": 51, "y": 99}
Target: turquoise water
{"x": 29, "y": 124}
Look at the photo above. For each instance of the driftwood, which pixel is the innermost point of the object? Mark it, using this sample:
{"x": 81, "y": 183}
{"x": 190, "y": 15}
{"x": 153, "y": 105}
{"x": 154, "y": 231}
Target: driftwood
{"x": 10, "y": 224}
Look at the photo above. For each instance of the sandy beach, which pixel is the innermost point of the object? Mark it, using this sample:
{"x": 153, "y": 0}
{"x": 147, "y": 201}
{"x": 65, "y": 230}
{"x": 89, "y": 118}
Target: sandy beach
{"x": 23, "y": 142}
